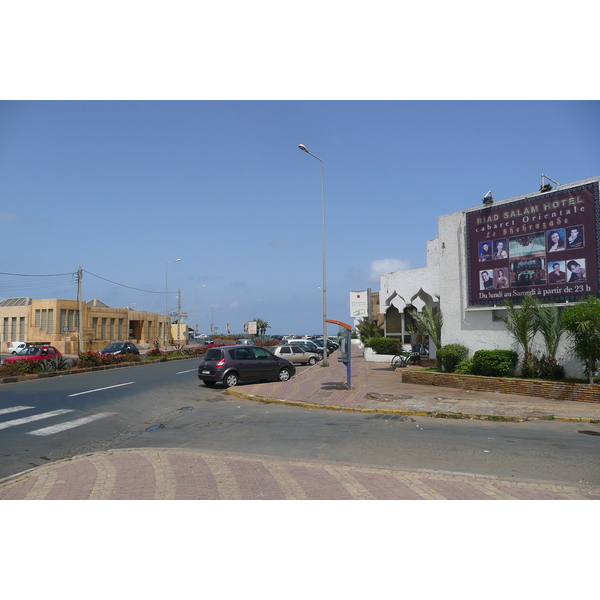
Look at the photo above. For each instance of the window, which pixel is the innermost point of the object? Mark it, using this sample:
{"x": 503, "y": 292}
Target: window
{"x": 262, "y": 354}
{"x": 286, "y": 350}
{"x": 22, "y": 328}
{"x": 243, "y": 354}
{"x": 50, "y": 320}
{"x": 44, "y": 319}
{"x": 70, "y": 315}
{"x": 38, "y": 322}
{"x": 120, "y": 327}
{"x": 103, "y": 329}
{"x": 112, "y": 329}
{"x": 296, "y": 350}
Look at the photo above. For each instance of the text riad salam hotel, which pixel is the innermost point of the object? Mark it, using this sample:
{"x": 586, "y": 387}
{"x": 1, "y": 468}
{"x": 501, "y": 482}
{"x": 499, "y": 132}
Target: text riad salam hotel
{"x": 543, "y": 243}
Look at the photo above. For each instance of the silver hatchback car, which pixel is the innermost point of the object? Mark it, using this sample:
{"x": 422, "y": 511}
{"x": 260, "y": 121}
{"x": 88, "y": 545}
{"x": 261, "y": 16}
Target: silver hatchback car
{"x": 296, "y": 354}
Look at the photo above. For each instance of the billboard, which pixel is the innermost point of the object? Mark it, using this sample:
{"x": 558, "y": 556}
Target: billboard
{"x": 359, "y": 306}
{"x": 545, "y": 244}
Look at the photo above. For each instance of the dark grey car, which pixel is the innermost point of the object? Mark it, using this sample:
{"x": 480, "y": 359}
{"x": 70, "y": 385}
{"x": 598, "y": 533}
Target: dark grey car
{"x": 231, "y": 364}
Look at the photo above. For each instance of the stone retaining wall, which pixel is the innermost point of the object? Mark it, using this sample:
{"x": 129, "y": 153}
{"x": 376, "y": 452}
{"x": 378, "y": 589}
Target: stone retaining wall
{"x": 554, "y": 390}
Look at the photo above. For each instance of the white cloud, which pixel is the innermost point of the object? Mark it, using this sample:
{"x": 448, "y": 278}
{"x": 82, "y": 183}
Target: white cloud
{"x": 387, "y": 265}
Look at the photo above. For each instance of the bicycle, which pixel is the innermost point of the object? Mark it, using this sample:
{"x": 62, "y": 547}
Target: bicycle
{"x": 400, "y": 360}
{"x": 405, "y": 358}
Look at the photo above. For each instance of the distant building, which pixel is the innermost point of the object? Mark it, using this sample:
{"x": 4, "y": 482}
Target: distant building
{"x": 56, "y": 322}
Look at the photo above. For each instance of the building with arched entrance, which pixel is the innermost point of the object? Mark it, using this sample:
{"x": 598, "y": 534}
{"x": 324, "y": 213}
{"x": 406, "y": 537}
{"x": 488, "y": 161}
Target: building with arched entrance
{"x": 543, "y": 243}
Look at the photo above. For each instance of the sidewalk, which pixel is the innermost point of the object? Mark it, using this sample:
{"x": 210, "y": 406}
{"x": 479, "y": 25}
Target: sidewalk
{"x": 149, "y": 473}
{"x": 376, "y": 388}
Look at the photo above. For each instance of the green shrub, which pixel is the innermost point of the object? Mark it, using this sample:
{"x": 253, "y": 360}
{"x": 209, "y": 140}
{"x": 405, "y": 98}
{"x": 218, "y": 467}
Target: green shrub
{"x": 385, "y": 345}
{"x": 57, "y": 363}
{"x": 494, "y": 363}
{"x": 542, "y": 368}
{"x": 451, "y": 355}
{"x": 464, "y": 367}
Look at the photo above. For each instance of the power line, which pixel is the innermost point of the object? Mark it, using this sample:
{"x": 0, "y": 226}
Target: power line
{"x": 22, "y": 275}
{"x": 125, "y": 286}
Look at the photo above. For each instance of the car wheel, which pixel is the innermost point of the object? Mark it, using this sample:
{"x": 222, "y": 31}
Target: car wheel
{"x": 209, "y": 383}
{"x": 231, "y": 380}
{"x": 285, "y": 374}
{"x": 312, "y": 360}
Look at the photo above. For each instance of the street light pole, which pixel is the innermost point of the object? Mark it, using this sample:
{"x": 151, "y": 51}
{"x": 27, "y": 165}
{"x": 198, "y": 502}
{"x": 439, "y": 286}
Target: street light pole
{"x": 195, "y": 319}
{"x": 304, "y": 149}
{"x": 167, "y": 318}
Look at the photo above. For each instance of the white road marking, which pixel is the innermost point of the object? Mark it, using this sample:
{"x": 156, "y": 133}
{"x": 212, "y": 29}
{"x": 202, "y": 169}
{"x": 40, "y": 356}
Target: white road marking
{"x": 110, "y": 387}
{"x": 70, "y": 424}
{"x": 13, "y": 409}
{"x": 39, "y": 417}
{"x": 188, "y": 371}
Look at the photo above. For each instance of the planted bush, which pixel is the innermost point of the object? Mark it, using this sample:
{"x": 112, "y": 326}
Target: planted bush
{"x": 21, "y": 367}
{"x": 465, "y": 367}
{"x": 494, "y": 363}
{"x": 384, "y": 345}
{"x": 95, "y": 359}
{"x": 451, "y": 355}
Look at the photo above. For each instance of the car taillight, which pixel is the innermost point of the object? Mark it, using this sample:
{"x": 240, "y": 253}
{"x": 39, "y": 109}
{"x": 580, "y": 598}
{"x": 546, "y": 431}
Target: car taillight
{"x": 220, "y": 363}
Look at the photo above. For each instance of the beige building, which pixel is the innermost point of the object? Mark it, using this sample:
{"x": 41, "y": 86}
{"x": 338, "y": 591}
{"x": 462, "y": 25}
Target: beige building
{"x": 56, "y": 322}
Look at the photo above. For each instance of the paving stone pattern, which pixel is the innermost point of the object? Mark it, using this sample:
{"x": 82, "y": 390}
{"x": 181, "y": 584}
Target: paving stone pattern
{"x": 175, "y": 474}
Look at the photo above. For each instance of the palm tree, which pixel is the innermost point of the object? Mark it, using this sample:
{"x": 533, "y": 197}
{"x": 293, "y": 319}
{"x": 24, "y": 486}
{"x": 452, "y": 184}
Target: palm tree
{"x": 521, "y": 323}
{"x": 261, "y": 327}
{"x": 430, "y": 321}
{"x": 582, "y": 322}
{"x": 549, "y": 324}
{"x": 368, "y": 329}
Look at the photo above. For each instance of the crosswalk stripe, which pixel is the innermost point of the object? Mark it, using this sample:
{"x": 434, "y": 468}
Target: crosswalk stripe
{"x": 70, "y": 424}
{"x": 12, "y": 409}
{"x": 39, "y": 417}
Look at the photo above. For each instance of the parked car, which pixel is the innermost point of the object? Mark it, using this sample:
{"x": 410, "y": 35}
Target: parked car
{"x": 16, "y": 347}
{"x": 308, "y": 345}
{"x": 295, "y": 354}
{"x": 120, "y": 348}
{"x": 331, "y": 346}
{"x": 231, "y": 364}
{"x": 34, "y": 354}
{"x": 208, "y": 340}
{"x": 244, "y": 342}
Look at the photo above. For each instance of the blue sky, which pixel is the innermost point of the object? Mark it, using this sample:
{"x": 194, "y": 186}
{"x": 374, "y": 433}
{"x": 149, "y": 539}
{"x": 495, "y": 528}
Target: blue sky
{"x": 120, "y": 188}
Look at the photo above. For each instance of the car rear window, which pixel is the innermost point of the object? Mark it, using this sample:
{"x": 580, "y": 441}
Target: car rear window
{"x": 213, "y": 354}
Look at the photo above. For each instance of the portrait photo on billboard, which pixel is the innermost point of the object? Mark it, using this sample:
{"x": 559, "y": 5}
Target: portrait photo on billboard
{"x": 545, "y": 244}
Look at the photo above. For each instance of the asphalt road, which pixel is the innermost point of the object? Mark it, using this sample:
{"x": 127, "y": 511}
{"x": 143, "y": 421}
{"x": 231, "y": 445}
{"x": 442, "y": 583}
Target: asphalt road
{"x": 165, "y": 405}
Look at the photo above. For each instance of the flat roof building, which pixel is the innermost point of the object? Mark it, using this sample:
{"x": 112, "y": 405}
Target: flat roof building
{"x": 544, "y": 243}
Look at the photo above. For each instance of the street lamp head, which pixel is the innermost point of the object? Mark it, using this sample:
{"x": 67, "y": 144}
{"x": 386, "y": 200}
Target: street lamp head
{"x": 303, "y": 147}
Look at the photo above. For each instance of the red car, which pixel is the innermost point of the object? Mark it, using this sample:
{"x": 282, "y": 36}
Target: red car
{"x": 34, "y": 354}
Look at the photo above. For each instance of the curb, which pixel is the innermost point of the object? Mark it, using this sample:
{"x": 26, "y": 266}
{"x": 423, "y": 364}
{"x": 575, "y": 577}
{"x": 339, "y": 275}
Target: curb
{"x": 390, "y": 411}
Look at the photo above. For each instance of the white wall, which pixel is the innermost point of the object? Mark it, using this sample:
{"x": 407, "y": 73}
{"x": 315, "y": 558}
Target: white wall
{"x": 479, "y": 328}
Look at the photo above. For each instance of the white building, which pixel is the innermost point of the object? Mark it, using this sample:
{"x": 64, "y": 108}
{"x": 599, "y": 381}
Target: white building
{"x": 501, "y": 250}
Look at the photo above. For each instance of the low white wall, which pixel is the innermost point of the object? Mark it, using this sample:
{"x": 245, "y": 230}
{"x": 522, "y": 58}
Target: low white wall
{"x": 371, "y": 356}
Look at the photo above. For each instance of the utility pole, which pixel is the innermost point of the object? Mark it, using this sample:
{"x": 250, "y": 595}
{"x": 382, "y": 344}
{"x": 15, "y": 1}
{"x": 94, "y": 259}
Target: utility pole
{"x": 178, "y": 316}
{"x": 80, "y": 304}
